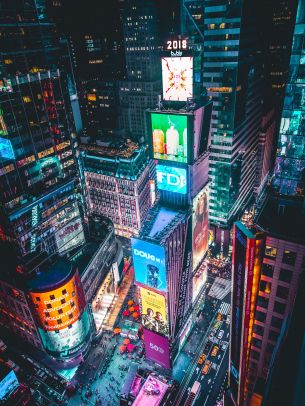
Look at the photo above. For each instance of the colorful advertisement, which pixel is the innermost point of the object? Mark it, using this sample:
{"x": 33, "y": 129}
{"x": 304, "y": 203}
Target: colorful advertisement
{"x": 149, "y": 264}
{"x": 171, "y": 179}
{"x": 200, "y": 226}
{"x": 177, "y": 77}
{"x": 157, "y": 348}
{"x": 153, "y": 310}
{"x": 169, "y": 133}
{"x": 6, "y": 149}
{"x": 8, "y": 385}
{"x": 199, "y": 279}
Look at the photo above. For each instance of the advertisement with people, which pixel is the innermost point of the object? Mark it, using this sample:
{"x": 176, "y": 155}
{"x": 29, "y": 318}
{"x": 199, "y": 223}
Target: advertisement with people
{"x": 171, "y": 179}
{"x": 149, "y": 264}
{"x": 177, "y": 77}
{"x": 157, "y": 348}
{"x": 169, "y": 132}
{"x": 200, "y": 226}
{"x": 153, "y": 310}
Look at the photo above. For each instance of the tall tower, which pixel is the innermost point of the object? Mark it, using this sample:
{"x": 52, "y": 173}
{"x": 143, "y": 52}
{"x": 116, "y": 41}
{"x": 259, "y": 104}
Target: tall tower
{"x": 142, "y": 87}
{"x": 289, "y": 176}
{"x": 38, "y": 176}
{"x": 225, "y": 33}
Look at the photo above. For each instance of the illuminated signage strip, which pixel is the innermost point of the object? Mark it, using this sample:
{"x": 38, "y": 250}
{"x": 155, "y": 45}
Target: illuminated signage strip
{"x": 46, "y": 152}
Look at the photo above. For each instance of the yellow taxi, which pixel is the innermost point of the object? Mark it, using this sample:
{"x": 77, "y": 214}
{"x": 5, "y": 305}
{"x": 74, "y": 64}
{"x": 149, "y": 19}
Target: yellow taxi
{"x": 201, "y": 359}
{"x": 214, "y": 351}
{"x": 206, "y": 369}
{"x": 219, "y": 317}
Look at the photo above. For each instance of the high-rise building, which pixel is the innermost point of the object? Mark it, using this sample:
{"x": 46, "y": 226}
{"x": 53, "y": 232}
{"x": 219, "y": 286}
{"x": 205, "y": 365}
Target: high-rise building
{"x": 116, "y": 184}
{"x": 289, "y": 174}
{"x": 143, "y": 85}
{"x": 264, "y": 286}
{"x": 228, "y": 36}
{"x": 38, "y": 181}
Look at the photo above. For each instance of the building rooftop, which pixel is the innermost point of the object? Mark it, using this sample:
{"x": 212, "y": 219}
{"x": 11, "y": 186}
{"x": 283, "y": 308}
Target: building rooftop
{"x": 83, "y": 256}
{"x": 126, "y": 151}
{"x": 283, "y": 218}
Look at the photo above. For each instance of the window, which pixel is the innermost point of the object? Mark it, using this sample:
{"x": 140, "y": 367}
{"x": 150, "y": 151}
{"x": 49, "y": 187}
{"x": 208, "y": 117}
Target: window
{"x": 256, "y": 342}
{"x": 47, "y": 314}
{"x": 38, "y": 299}
{"x": 70, "y": 316}
{"x": 73, "y": 293}
{"x": 279, "y": 307}
{"x": 258, "y": 329}
{"x": 64, "y": 291}
{"x": 49, "y": 306}
{"x": 273, "y": 335}
{"x": 267, "y": 270}
{"x": 262, "y": 302}
{"x": 60, "y": 311}
{"x": 260, "y": 316}
{"x": 265, "y": 286}
{"x": 59, "y": 321}
{"x": 63, "y": 301}
{"x": 276, "y": 322}
{"x": 289, "y": 257}
{"x": 72, "y": 304}
{"x": 282, "y": 292}
{"x": 26, "y": 99}
{"x": 285, "y": 275}
{"x": 254, "y": 354}
{"x": 46, "y": 323}
{"x": 270, "y": 252}
{"x": 52, "y": 297}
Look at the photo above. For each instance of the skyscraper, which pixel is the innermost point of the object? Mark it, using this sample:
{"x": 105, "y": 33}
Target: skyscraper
{"x": 226, "y": 33}
{"x": 143, "y": 84}
{"x": 289, "y": 174}
{"x": 38, "y": 178}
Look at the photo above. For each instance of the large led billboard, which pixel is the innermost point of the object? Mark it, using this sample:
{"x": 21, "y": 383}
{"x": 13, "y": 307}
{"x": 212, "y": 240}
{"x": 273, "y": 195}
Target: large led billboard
{"x": 171, "y": 179}
{"x": 177, "y": 78}
{"x": 6, "y": 149}
{"x": 153, "y": 310}
{"x": 199, "y": 279}
{"x": 157, "y": 348}
{"x": 200, "y": 227}
{"x": 149, "y": 264}
{"x": 8, "y": 385}
{"x": 169, "y": 134}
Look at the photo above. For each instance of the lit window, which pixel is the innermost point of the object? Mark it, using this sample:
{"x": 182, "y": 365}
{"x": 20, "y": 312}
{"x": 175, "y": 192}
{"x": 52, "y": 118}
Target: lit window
{"x": 26, "y": 99}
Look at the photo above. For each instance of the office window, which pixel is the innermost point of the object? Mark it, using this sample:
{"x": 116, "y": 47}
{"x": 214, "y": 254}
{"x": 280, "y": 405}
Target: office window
{"x": 282, "y": 292}
{"x": 38, "y": 299}
{"x": 289, "y": 257}
{"x": 47, "y": 314}
{"x": 260, "y": 316}
{"x": 59, "y": 321}
{"x": 273, "y": 335}
{"x": 267, "y": 270}
{"x": 285, "y": 275}
{"x": 63, "y": 301}
{"x": 262, "y": 302}
{"x": 279, "y": 307}
{"x": 49, "y": 306}
{"x": 265, "y": 287}
{"x": 64, "y": 291}
{"x": 256, "y": 342}
{"x": 270, "y": 252}
{"x": 258, "y": 329}
{"x": 276, "y": 322}
{"x": 60, "y": 311}
{"x": 52, "y": 297}
{"x": 254, "y": 354}
{"x": 70, "y": 316}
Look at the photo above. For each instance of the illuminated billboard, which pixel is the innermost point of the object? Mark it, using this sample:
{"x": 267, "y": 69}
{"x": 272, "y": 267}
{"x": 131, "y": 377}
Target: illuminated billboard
{"x": 6, "y": 149}
{"x": 200, "y": 226}
{"x": 8, "y": 385}
{"x": 169, "y": 134}
{"x": 199, "y": 279}
{"x": 171, "y": 179}
{"x": 63, "y": 322}
{"x": 177, "y": 78}
{"x": 153, "y": 310}
{"x": 149, "y": 264}
{"x": 157, "y": 348}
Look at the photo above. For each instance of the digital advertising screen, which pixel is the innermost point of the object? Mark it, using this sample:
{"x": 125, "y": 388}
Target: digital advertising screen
{"x": 68, "y": 341}
{"x": 157, "y": 348}
{"x": 6, "y": 149}
{"x": 177, "y": 78}
{"x": 200, "y": 227}
{"x": 149, "y": 264}
{"x": 199, "y": 279}
{"x": 8, "y": 385}
{"x": 153, "y": 310}
{"x": 59, "y": 308}
{"x": 171, "y": 179}
{"x": 169, "y": 135}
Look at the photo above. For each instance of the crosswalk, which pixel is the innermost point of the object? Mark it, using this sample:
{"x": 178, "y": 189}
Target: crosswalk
{"x": 220, "y": 288}
{"x": 225, "y": 308}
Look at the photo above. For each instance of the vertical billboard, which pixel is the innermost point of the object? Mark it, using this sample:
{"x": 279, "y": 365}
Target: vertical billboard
{"x": 63, "y": 322}
{"x": 157, "y": 348}
{"x": 169, "y": 135}
{"x": 8, "y": 384}
{"x": 200, "y": 226}
{"x": 199, "y": 279}
{"x": 177, "y": 77}
{"x": 171, "y": 179}
{"x": 153, "y": 311}
{"x": 149, "y": 264}
{"x": 244, "y": 243}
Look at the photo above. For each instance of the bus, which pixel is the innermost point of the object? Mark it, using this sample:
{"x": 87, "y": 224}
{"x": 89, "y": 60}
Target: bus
{"x": 194, "y": 394}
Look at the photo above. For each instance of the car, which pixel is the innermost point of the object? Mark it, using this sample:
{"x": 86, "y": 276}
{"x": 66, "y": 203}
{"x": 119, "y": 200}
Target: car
{"x": 217, "y": 325}
{"x": 224, "y": 345}
{"x": 220, "y": 334}
{"x": 219, "y": 317}
{"x": 206, "y": 369}
{"x": 201, "y": 359}
{"x": 214, "y": 351}
{"x": 228, "y": 319}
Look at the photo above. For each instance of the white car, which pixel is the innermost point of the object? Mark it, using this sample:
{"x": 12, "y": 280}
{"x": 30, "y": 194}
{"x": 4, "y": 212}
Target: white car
{"x": 224, "y": 345}
{"x": 220, "y": 334}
